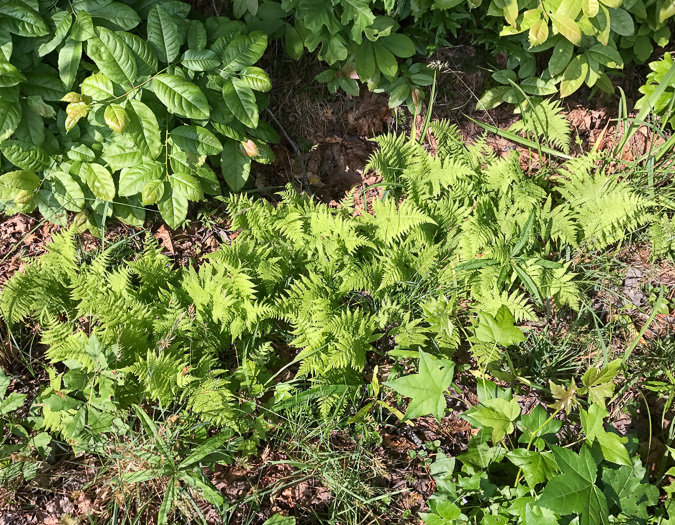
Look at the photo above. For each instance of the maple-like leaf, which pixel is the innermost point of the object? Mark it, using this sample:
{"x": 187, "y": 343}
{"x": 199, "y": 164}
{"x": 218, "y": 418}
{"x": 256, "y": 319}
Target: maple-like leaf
{"x": 575, "y": 491}
{"x": 499, "y": 329}
{"x": 426, "y": 389}
{"x": 566, "y": 397}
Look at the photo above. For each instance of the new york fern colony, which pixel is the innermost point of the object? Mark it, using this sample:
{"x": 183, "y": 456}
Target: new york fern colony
{"x": 461, "y": 226}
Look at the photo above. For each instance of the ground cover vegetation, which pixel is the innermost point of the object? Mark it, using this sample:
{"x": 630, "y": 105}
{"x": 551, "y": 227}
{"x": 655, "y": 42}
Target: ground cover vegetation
{"x": 482, "y": 291}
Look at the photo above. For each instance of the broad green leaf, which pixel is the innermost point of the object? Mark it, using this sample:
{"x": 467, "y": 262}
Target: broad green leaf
{"x": 567, "y": 28}
{"x": 186, "y": 185}
{"x": 364, "y": 61}
{"x": 510, "y": 12}
{"x": 9, "y": 75}
{"x": 562, "y": 54}
{"x": 196, "y": 38}
{"x": 135, "y": 178}
{"x": 25, "y": 156}
{"x": 537, "y": 466}
{"x": 628, "y": 490}
{"x": 599, "y": 385}
{"x": 10, "y": 117}
{"x": 621, "y": 22}
{"x": 426, "y": 388}
{"x": 243, "y": 51}
{"x": 62, "y": 20}
{"x": 235, "y": 166}
{"x": 538, "y": 33}
{"x": 21, "y": 19}
{"x": 606, "y": 55}
{"x": 116, "y": 118}
{"x": 385, "y": 60}
{"x": 538, "y": 419}
{"x": 31, "y": 128}
{"x": 196, "y": 139}
{"x": 612, "y": 445}
{"x": 200, "y": 483}
{"x": 575, "y": 491}
{"x": 293, "y": 42}
{"x": 20, "y": 180}
{"x": 173, "y": 206}
{"x": 500, "y": 329}
{"x": 121, "y": 154}
{"x": 569, "y": 8}
{"x": 163, "y": 34}
{"x": 6, "y": 44}
{"x": 399, "y": 45}
{"x": 143, "y": 129}
{"x": 113, "y": 57}
{"x": 499, "y": 415}
{"x": 146, "y": 60}
{"x": 83, "y": 28}
{"x": 49, "y": 87}
{"x": 152, "y": 192}
{"x": 75, "y": 111}
{"x": 200, "y": 60}
{"x": 538, "y": 86}
{"x": 181, "y": 96}
{"x": 493, "y": 97}
{"x": 66, "y": 191}
{"x": 100, "y": 181}
{"x": 120, "y": 14}
{"x": 255, "y": 78}
{"x": 81, "y": 153}
{"x": 98, "y": 87}
{"x": 130, "y": 211}
{"x": 574, "y": 76}
{"x": 590, "y": 7}
{"x": 69, "y": 62}
{"x": 241, "y": 101}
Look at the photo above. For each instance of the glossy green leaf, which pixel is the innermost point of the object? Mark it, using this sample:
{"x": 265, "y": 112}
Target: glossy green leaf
{"x": 293, "y": 42}
{"x": 69, "y": 62}
{"x": 146, "y": 59}
{"x": 100, "y": 181}
{"x": 25, "y": 156}
{"x": 621, "y": 22}
{"x": 116, "y": 118}
{"x": 255, "y": 78}
{"x": 196, "y": 139}
{"x": 163, "y": 34}
{"x": 122, "y": 15}
{"x": 10, "y": 117}
{"x": 200, "y": 60}
{"x": 173, "y": 206}
{"x": 181, "y": 96}
{"x": 567, "y": 27}
{"x": 243, "y": 51}
{"x": 9, "y": 75}
{"x": 187, "y": 186}
{"x": 62, "y": 20}
{"x": 152, "y": 192}
{"x": 113, "y": 57}
{"x": 500, "y": 329}
{"x": 561, "y": 56}
{"x": 574, "y": 76}
{"x": 66, "y": 191}
{"x": 241, "y": 101}
{"x": 19, "y": 18}
{"x": 98, "y": 87}
{"x": 135, "y": 178}
{"x": 235, "y": 166}
{"x": 499, "y": 415}
{"x": 537, "y": 466}
{"x": 83, "y": 27}
{"x": 143, "y": 129}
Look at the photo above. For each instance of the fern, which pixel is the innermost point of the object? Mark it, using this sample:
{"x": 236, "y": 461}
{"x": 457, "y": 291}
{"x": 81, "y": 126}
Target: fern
{"x": 543, "y": 119}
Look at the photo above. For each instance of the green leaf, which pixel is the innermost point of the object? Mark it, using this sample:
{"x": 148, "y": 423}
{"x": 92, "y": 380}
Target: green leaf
{"x": 537, "y": 466}
{"x": 187, "y": 186}
{"x": 499, "y": 415}
{"x": 255, "y": 78}
{"x": 208, "y": 447}
{"x": 575, "y": 490}
{"x": 69, "y": 62}
{"x": 386, "y": 61}
{"x": 83, "y": 28}
{"x": 196, "y": 38}
{"x": 121, "y": 153}
{"x": 612, "y": 445}
{"x": 621, "y": 22}
{"x": 20, "y": 180}
{"x": 152, "y": 192}
{"x": 196, "y": 139}
{"x": 100, "y": 181}
{"x": 599, "y": 384}
{"x": 143, "y": 129}
{"x": 590, "y": 7}
{"x": 574, "y": 76}
{"x": 146, "y": 60}
{"x": 47, "y": 86}
{"x": 629, "y": 490}
{"x": 562, "y": 54}
{"x": 21, "y": 19}
{"x": 167, "y": 502}
{"x": 538, "y": 33}
{"x": 280, "y": 519}
{"x": 163, "y": 34}
{"x": 116, "y": 118}
{"x": 63, "y": 21}
{"x": 606, "y": 55}
{"x": 398, "y": 44}
{"x": 567, "y": 27}
{"x": 120, "y": 14}
{"x": 25, "y": 156}
{"x": 10, "y": 118}
{"x": 293, "y": 42}
{"x": 426, "y": 388}
{"x": 66, "y": 191}
{"x": 243, "y": 51}
{"x": 539, "y": 419}
{"x": 499, "y": 329}
{"x": 9, "y": 75}
{"x": 173, "y": 206}
{"x": 181, "y": 96}
{"x": 241, "y": 101}
{"x": 98, "y": 87}
{"x": 135, "y": 178}
{"x": 235, "y": 165}
{"x": 493, "y": 97}
{"x": 113, "y": 57}
{"x": 200, "y": 59}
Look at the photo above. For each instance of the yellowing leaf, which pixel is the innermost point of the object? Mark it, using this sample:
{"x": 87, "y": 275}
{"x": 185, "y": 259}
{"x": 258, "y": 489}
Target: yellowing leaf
{"x": 574, "y": 76}
{"x": 538, "y": 33}
{"x": 567, "y": 27}
{"x": 116, "y": 118}
{"x": 74, "y": 112}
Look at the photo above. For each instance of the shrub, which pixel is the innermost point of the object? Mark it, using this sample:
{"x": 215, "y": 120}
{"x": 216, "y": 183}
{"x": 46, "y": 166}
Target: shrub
{"x": 108, "y": 107}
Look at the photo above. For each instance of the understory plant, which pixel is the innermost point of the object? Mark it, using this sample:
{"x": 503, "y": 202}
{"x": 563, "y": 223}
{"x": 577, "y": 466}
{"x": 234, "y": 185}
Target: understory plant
{"x": 109, "y": 107}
